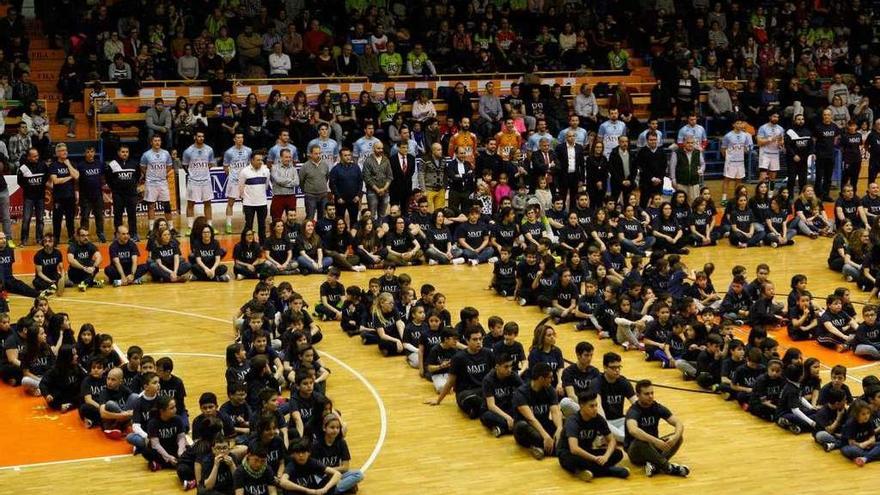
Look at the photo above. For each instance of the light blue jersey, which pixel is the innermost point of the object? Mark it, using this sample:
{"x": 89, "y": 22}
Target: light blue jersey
{"x": 773, "y": 132}
{"x": 736, "y": 146}
{"x": 697, "y": 132}
{"x": 236, "y": 159}
{"x": 609, "y": 132}
{"x": 274, "y": 154}
{"x": 580, "y": 135}
{"x": 329, "y": 150}
{"x": 157, "y": 164}
{"x": 535, "y": 140}
{"x": 363, "y": 148}
{"x": 198, "y": 163}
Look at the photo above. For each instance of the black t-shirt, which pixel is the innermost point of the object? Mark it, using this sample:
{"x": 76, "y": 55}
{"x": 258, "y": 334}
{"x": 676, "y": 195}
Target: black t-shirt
{"x": 742, "y": 219}
{"x": 92, "y": 386}
{"x": 276, "y": 452}
{"x": 307, "y": 475}
{"x": 399, "y": 242}
{"x": 165, "y": 253}
{"x": 125, "y": 252}
{"x": 32, "y": 179}
{"x": 590, "y": 434}
{"x": 527, "y": 274}
{"x": 333, "y": 293}
{"x": 760, "y": 208}
{"x": 65, "y": 190}
{"x": 566, "y": 294}
{"x": 505, "y": 273}
{"x": 438, "y": 354}
{"x": 767, "y": 389}
{"x": 839, "y": 321}
{"x": 790, "y": 397}
{"x": 501, "y": 390}
{"x": 514, "y": 350}
{"x": 174, "y": 388}
{"x": 746, "y": 376}
{"x": 536, "y": 229}
{"x": 473, "y": 233}
{"x": 851, "y": 146}
{"x": 254, "y": 486}
{"x": 871, "y": 205}
{"x": 90, "y": 177}
{"x": 390, "y": 285}
{"x": 439, "y": 238}
{"x": 539, "y": 401}
{"x": 581, "y": 380}
{"x": 144, "y": 410}
{"x": 505, "y": 234}
{"x": 826, "y": 135}
{"x": 48, "y": 262}
{"x": 614, "y": 395}
{"x": 277, "y": 248}
{"x": 647, "y": 418}
{"x": 823, "y": 393}
{"x": 412, "y": 333}
{"x": 859, "y": 432}
{"x": 470, "y": 369}
{"x": 850, "y": 209}
{"x": 166, "y": 432}
{"x": 207, "y": 252}
{"x": 330, "y": 455}
{"x": 83, "y": 253}
{"x": 223, "y": 482}
{"x": 702, "y": 220}
{"x": 123, "y": 177}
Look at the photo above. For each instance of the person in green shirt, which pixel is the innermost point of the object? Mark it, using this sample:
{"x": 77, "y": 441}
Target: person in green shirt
{"x": 390, "y": 62}
{"x": 618, "y": 58}
{"x": 225, "y": 45}
{"x": 418, "y": 63}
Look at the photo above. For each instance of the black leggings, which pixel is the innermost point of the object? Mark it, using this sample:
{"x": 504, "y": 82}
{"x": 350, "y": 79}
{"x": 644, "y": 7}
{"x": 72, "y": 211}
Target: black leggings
{"x": 573, "y": 463}
{"x": 200, "y": 274}
{"x": 16, "y": 286}
{"x": 471, "y": 401}
{"x": 260, "y": 212}
{"x": 125, "y": 204}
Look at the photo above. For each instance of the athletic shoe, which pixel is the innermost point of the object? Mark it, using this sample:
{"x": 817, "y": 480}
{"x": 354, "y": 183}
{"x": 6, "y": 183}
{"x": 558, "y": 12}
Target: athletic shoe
{"x": 117, "y": 283}
{"x": 774, "y": 244}
{"x": 650, "y": 469}
{"x": 189, "y": 485}
{"x": 829, "y": 447}
{"x": 679, "y": 470}
{"x": 223, "y": 278}
{"x": 71, "y": 135}
{"x": 522, "y": 302}
{"x": 537, "y": 452}
{"x": 493, "y": 260}
{"x": 82, "y": 286}
{"x": 783, "y": 423}
{"x": 359, "y": 268}
{"x": 113, "y": 434}
{"x": 99, "y": 284}
{"x": 432, "y": 262}
{"x": 604, "y": 335}
{"x": 458, "y": 261}
{"x": 155, "y": 466}
{"x": 860, "y": 461}
{"x": 46, "y": 293}
{"x": 496, "y": 431}
{"x": 228, "y": 228}
{"x": 139, "y": 281}
{"x": 241, "y": 277}
{"x": 475, "y": 262}
{"x": 585, "y": 475}
{"x": 10, "y": 243}
{"x": 794, "y": 428}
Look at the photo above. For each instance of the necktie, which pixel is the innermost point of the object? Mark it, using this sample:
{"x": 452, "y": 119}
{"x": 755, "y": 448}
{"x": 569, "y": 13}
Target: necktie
{"x": 403, "y": 166}
{"x": 546, "y": 158}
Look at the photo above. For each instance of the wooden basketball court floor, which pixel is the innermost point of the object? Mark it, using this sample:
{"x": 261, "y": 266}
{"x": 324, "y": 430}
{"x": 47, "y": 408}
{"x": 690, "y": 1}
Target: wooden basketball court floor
{"x": 408, "y": 447}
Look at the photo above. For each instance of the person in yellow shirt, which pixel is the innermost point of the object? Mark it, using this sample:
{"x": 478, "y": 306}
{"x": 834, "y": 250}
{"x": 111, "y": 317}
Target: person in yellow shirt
{"x": 465, "y": 139}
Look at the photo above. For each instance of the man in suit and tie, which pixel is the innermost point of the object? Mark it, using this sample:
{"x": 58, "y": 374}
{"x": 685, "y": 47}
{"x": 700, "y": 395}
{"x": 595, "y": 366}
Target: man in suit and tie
{"x": 569, "y": 171}
{"x": 462, "y": 181}
{"x": 542, "y": 163}
{"x": 403, "y": 167}
{"x": 623, "y": 169}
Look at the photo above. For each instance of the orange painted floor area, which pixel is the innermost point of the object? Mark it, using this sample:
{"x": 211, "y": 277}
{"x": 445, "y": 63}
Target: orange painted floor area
{"x": 31, "y": 433}
{"x": 809, "y": 348}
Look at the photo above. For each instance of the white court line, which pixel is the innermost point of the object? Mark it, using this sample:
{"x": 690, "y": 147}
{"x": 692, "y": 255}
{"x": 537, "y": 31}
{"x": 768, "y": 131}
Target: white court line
{"x": 106, "y": 458}
{"x": 383, "y": 416}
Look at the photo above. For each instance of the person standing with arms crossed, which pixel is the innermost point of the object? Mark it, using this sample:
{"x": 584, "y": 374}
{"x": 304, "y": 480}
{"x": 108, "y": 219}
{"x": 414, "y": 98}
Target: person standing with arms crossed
{"x": 197, "y": 162}
{"x": 313, "y": 182}
{"x": 62, "y": 175}
{"x": 123, "y": 176}
{"x": 155, "y": 164}
{"x": 235, "y": 159}
{"x": 377, "y": 177}
{"x": 346, "y": 184}
{"x": 32, "y": 179}
{"x": 91, "y": 194}
{"x": 252, "y": 183}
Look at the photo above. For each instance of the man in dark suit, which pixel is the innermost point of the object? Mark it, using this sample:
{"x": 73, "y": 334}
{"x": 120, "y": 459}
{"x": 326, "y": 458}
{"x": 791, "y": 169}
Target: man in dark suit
{"x": 623, "y": 169}
{"x": 542, "y": 162}
{"x": 462, "y": 181}
{"x": 651, "y": 164}
{"x": 403, "y": 167}
{"x": 569, "y": 171}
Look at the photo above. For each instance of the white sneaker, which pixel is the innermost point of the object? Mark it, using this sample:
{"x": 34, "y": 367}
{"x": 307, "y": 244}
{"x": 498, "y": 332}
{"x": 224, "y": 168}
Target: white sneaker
{"x": 359, "y": 268}
{"x": 117, "y": 283}
{"x": 239, "y": 277}
{"x": 432, "y": 262}
{"x": 458, "y": 261}
{"x": 493, "y": 260}
{"x": 475, "y": 262}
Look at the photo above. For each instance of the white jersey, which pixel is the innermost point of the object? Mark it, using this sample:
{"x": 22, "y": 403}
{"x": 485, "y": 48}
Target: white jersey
{"x": 736, "y": 146}
{"x": 329, "y": 150}
{"x": 774, "y": 133}
{"x": 198, "y": 163}
{"x": 609, "y": 132}
{"x": 363, "y": 148}
{"x": 236, "y": 159}
{"x": 157, "y": 164}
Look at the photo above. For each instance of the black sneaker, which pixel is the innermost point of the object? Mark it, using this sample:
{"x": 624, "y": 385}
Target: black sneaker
{"x": 650, "y": 469}
{"x": 679, "y": 470}
{"x": 496, "y": 431}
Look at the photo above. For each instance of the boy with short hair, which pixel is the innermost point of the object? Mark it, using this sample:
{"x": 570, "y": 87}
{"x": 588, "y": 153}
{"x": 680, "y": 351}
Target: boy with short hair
{"x": 305, "y": 475}
{"x": 764, "y": 400}
{"x": 538, "y": 424}
{"x": 526, "y": 273}
{"x": 172, "y": 386}
{"x": 511, "y": 346}
{"x": 496, "y": 332}
{"x": 790, "y": 413}
{"x": 504, "y": 275}
{"x": 132, "y": 369}
{"x": 614, "y": 390}
{"x": 829, "y": 420}
{"x": 577, "y": 378}
{"x": 587, "y": 448}
{"x": 468, "y": 368}
{"x": 143, "y": 410}
{"x": 736, "y": 303}
{"x": 644, "y": 445}
{"x": 838, "y": 382}
{"x": 255, "y": 477}
{"x": 237, "y": 409}
{"x": 498, "y": 387}
{"x": 92, "y": 387}
{"x": 352, "y": 311}
{"x": 439, "y": 359}
{"x": 332, "y": 293}
{"x": 588, "y": 306}
{"x": 210, "y": 408}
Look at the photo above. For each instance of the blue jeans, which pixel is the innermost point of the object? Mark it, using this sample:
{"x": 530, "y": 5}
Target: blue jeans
{"x": 852, "y": 452}
{"x": 631, "y": 247}
{"x": 483, "y": 256}
{"x": 33, "y": 208}
{"x": 440, "y": 257}
{"x": 378, "y": 204}
{"x": 349, "y": 480}
{"x": 308, "y": 266}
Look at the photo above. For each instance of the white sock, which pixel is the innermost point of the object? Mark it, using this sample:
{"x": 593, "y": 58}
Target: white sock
{"x": 189, "y": 221}
{"x": 228, "y": 220}
{"x": 724, "y": 197}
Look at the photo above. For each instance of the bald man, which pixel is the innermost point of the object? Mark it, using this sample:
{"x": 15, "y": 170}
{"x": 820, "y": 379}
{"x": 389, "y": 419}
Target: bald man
{"x": 117, "y": 405}
{"x": 432, "y": 176}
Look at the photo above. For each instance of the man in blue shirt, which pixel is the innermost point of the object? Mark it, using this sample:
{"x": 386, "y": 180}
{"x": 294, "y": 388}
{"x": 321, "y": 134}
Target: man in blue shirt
{"x": 91, "y": 197}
